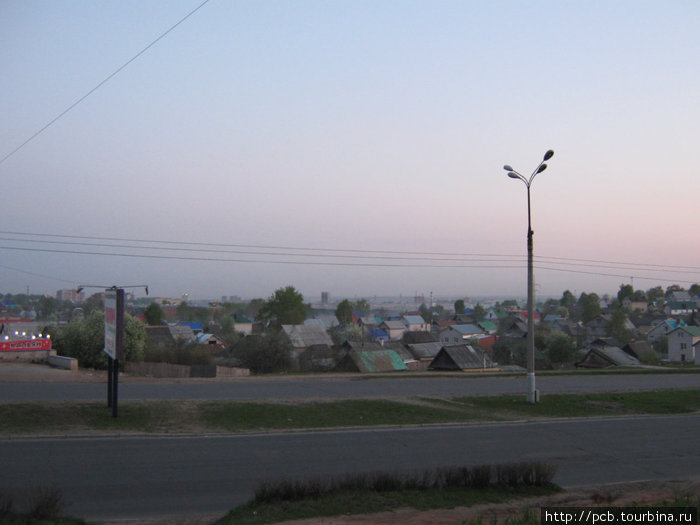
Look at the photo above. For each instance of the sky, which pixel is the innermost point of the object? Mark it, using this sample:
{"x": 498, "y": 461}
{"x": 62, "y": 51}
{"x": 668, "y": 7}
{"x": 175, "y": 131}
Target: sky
{"x": 353, "y": 147}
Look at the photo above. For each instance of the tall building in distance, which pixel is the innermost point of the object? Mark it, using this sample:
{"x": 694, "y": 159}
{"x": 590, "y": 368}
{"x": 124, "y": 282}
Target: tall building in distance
{"x": 70, "y": 295}
{"x": 325, "y": 297}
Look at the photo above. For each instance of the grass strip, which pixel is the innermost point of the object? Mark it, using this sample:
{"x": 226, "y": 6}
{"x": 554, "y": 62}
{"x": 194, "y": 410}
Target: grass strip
{"x": 206, "y": 416}
{"x": 369, "y": 502}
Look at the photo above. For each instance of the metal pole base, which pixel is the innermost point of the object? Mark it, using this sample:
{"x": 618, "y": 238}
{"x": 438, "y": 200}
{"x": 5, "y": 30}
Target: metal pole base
{"x": 533, "y": 395}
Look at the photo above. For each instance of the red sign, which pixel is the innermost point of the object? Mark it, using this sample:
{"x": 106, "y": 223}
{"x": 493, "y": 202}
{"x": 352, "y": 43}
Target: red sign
{"x": 25, "y": 345}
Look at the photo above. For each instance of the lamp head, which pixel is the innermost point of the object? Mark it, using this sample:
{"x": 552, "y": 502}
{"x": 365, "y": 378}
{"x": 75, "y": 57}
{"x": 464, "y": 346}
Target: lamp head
{"x": 513, "y": 175}
{"x": 549, "y": 154}
{"x": 507, "y": 168}
{"x": 542, "y": 167}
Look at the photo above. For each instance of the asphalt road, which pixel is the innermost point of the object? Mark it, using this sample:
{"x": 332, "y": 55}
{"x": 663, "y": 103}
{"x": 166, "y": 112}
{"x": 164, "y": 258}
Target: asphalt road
{"x": 106, "y": 478}
{"x": 314, "y": 387}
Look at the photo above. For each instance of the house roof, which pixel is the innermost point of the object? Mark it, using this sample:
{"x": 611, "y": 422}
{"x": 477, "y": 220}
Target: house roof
{"x": 181, "y": 331}
{"x": 376, "y": 333}
{"x": 377, "y": 361}
{"x": 617, "y": 356}
{"x": 489, "y": 326}
{"x": 414, "y": 319}
{"x": 302, "y": 336}
{"x": 194, "y": 326}
{"x": 462, "y": 357}
{"x": 467, "y": 329}
{"x": 694, "y": 331}
{"x": 425, "y": 350}
{"x": 418, "y": 337}
{"x": 395, "y": 325}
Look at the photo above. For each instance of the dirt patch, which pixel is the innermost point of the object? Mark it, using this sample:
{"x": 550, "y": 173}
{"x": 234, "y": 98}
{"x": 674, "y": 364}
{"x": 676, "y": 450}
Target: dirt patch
{"x": 618, "y": 495}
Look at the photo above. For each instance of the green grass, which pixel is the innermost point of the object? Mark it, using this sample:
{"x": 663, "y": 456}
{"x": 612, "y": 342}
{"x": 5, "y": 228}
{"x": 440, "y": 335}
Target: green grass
{"x": 587, "y": 405}
{"x": 260, "y": 416}
{"x": 206, "y": 416}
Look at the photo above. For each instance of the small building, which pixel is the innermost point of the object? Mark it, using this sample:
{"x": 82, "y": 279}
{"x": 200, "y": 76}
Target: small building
{"x": 681, "y": 344}
{"x": 242, "y": 324}
{"x": 394, "y": 329}
{"x": 602, "y": 355}
{"x": 415, "y": 323}
{"x": 459, "y": 334}
{"x": 302, "y": 337}
{"x": 318, "y": 358}
{"x": 663, "y": 328}
{"x": 461, "y": 357}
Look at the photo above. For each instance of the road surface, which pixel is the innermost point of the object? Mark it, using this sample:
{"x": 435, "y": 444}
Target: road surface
{"x": 322, "y": 387}
{"x": 107, "y": 478}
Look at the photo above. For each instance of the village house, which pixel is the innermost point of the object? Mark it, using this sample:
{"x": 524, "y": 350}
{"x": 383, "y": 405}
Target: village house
{"x": 676, "y": 308}
{"x": 460, "y": 333}
{"x": 461, "y": 357}
{"x": 415, "y": 323}
{"x": 635, "y": 306}
{"x": 394, "y": 329}
{"x": 662, "y": 329}
{"x": 302, "y": 337}
{"x": 681, "y": 344}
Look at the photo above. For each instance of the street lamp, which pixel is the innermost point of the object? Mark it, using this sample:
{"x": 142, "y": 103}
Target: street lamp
{"x": 533, "y": 394}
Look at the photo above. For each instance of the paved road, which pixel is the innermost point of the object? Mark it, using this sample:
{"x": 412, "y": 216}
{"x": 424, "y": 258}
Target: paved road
{"x": 160, "y": 477}
{"x": 353, "y": 387}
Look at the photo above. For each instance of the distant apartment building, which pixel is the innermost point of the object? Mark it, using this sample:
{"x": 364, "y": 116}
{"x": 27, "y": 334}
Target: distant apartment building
{"x": 73, "y": 296}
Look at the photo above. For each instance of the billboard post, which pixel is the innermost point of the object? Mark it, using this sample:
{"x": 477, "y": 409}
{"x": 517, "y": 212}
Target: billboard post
{"x": 114, "y": 343}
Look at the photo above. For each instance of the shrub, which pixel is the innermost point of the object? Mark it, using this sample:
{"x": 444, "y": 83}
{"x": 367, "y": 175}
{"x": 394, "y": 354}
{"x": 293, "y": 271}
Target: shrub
{"x": 476, "y": 477}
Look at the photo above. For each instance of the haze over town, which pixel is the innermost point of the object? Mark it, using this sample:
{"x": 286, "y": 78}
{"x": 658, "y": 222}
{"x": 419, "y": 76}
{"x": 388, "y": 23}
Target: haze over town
{"x": 349, "y": 147}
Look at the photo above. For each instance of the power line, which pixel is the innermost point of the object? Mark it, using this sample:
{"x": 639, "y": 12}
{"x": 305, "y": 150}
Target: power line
{"x": 336, "y": 264}
{"x": 98, "y": 86}
{"x": 178, "y": 246}
{"x": 418, "y": 257}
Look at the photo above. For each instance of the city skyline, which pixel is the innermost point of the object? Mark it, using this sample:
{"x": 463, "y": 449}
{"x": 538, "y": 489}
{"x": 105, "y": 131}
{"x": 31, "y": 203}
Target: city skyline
{"x": 232, "y": 148}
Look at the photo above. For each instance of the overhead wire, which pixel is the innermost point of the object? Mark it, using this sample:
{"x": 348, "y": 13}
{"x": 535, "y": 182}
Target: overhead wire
{"x": 307, "y": 256}
{"x": 103, "y": 82}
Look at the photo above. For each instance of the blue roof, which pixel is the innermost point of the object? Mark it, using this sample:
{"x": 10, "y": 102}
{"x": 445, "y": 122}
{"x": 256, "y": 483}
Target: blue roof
{"x": 194, "y": 326}
{"x": 414, "y": 319}
{"x": 468, "y": 329}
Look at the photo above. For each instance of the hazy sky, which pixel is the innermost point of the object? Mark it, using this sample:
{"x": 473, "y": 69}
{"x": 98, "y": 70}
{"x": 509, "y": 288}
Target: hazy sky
{"x": 263, "y": 133}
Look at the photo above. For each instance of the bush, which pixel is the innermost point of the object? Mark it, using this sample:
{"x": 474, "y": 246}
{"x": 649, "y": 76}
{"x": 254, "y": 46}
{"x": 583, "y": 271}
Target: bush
{"x": 475, "y": 477}
{"x": 85, "y": 340}
{"x": 264, "y": 354}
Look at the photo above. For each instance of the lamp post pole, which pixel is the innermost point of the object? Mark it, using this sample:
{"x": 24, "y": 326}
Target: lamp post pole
{"x": 532, "y": 392}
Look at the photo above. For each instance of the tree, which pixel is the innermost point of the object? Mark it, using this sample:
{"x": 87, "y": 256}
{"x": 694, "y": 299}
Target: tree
{"x": 673, "y": 288}
{"x": 459, "y": 306}
{"x": 479, "y": 313}
{"x": 567, "y": 300}
{"x": 626, "y": 290}
{"x": 425, "y": 313}
{"x": 362, "y": 307}
{"x": 590, "y": 306}
{"x": 84, "y": 340}
{"x": 264, "y": 354}
{"x": 47, "y": 307}
{"x": 561, "y": 348}
{"x": 654, "y": 294}
{"x": 286, "y": 306}
{"x": 153, "y": 314}
{"x": 694, "y": 290}
{"x": 617, "y": 327}
{"x": 344, "y": 312}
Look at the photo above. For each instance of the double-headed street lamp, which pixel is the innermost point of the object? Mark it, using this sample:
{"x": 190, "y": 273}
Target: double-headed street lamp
{"x": 532, "y": 393}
